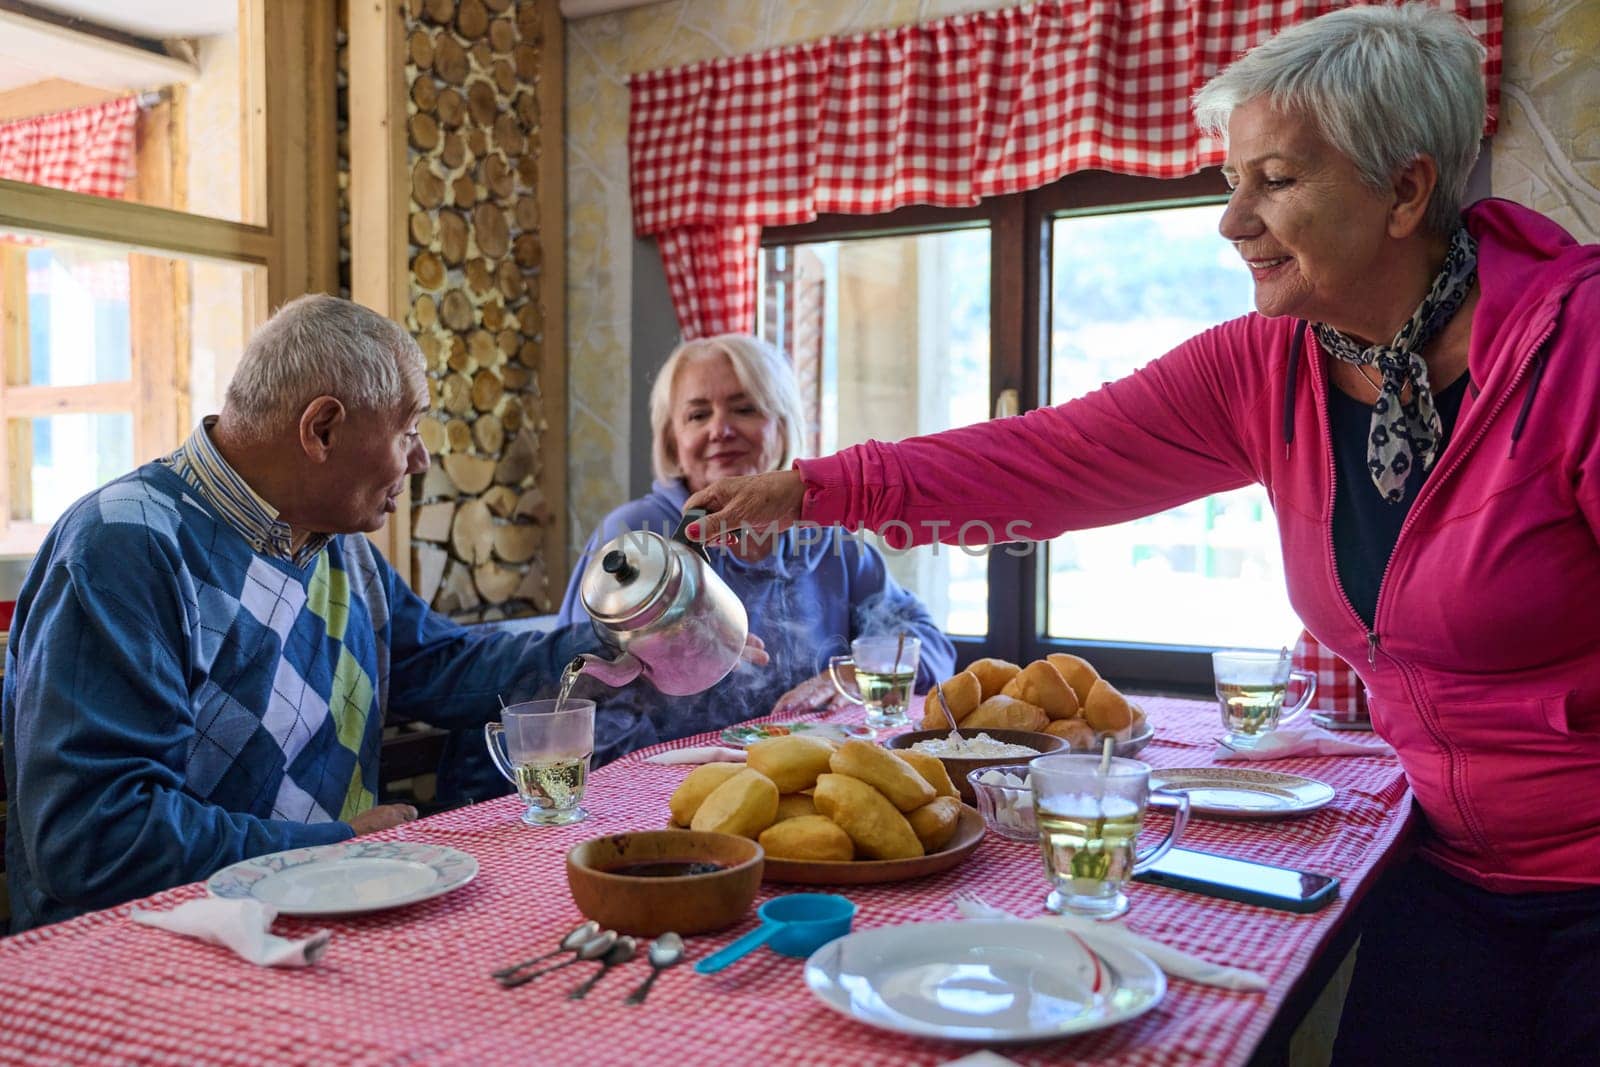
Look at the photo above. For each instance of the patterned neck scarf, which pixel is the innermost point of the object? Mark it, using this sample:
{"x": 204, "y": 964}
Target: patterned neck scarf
{"x": 1406, "y": 432}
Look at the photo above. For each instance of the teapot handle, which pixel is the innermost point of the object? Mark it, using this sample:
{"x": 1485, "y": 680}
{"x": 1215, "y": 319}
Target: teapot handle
{"x": 679, "y": 535}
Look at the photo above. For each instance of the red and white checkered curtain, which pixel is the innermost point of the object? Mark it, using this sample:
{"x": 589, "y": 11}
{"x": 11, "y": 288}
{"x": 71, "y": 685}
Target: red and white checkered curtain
{"x": 941, "y": 113}
{"x": 85, "y": 150}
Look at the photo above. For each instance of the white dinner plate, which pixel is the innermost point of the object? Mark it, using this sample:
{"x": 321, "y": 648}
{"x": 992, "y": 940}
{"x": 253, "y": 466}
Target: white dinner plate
{"x": 749, "y": 733}
{"x": 346, "y": 878}
{"x": 982, "y": 981}
{"x": 1236, "y": 793}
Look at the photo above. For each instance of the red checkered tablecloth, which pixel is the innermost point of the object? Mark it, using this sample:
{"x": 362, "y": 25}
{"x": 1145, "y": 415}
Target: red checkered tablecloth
{"x": 412, "y": 986}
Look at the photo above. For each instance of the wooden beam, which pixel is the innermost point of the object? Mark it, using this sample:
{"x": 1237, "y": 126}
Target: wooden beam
{"x": 380, "y": 196}
{"x": 302, "y": 137}
{"x": 33, "y": 209}
{"x": 553, "y": 281}
{"x": 43, "y": 401}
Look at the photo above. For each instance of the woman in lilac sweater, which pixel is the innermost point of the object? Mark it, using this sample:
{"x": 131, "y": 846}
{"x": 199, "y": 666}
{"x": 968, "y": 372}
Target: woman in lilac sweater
{"x": 1418, "y": 393}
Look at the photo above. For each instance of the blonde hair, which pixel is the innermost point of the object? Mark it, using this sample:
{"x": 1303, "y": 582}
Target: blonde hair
{"x": 1385, "y": 84}
{"x": 767, "y": 380}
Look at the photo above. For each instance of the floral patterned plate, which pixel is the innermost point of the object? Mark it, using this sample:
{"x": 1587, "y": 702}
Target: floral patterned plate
{"x": 751, "y": 732}
{"x": 1236, "y": 793}
{"x": 347, "y": 878}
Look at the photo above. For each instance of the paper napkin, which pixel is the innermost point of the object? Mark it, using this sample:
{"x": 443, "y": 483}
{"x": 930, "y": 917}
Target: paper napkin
{"x": 240, "y": 925}
{"x": 1174, "y": 961}
{"x": 1282, "y": 744}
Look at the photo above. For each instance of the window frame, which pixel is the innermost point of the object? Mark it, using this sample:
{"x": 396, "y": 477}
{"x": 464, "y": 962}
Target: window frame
{"x": 1020, "y": 325}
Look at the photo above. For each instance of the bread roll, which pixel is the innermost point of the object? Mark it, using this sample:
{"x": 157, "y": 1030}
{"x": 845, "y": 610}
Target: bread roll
{"x": 1041, "y": 684}
{"x": 876, "y": 827}
{"x": 935, "y": 822}
{"x": 810, "y": 837}
{"x": 792, "y": 762}
{"x": 1107, "y": 710}
{"x": 744, "y": 805}
{"x": 1076, "y": 671}
{"x": 694, "y": 789}
{"x": 992, "y": 675}
{"x": 962, "y": 692}
{"x": 794, "y": 806}
{"x": 1079, "y": 735}
{"x": 1005, "y": 713}
{"x": 932, "y": 769}
{"x": 884, "y": 771}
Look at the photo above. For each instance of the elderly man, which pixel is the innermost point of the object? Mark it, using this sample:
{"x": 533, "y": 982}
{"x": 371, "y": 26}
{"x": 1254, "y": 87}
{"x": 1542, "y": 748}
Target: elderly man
{"x": 205, "y": 649}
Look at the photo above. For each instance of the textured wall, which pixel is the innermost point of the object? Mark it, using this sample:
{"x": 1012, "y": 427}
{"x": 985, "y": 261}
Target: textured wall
{"x": 1547, "y": 155}
{"x": 1547, "y": 151}
{"x": 602, "y": 52}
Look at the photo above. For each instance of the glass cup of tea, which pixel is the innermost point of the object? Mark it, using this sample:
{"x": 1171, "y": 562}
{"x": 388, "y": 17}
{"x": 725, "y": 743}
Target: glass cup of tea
{"x": 1089, "y": 829}
{"x": 885, "y": 668}
{"x": 1251, "y": 690}
{"x": 545, "y": 752}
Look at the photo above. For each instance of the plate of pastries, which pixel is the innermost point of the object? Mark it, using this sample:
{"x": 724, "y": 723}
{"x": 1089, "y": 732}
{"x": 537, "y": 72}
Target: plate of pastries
{"x": 1061, "y": 695}
{"x": 833, "y": 813}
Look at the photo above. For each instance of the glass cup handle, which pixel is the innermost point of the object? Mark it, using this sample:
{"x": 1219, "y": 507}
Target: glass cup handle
{"x": 1180, "y": 819}
{"x": 493, "y": 736}
{"x": 1309, "y": 680}
{"x": 834, "y": 663}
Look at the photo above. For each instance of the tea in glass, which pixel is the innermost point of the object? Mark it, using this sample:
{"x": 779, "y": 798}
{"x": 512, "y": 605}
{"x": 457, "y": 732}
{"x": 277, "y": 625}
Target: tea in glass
{"x": 545, "y": 753}
{"x": 885, "y": 670}
{"x": 1251, "y": 690}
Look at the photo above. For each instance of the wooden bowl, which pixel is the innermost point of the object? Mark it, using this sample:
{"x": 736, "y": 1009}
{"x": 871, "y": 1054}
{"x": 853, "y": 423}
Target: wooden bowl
{"x": 647, "y": 906}
{"x": 959, "y": 767}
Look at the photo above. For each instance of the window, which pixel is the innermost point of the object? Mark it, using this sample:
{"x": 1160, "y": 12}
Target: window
{"x": 890, "y": 321}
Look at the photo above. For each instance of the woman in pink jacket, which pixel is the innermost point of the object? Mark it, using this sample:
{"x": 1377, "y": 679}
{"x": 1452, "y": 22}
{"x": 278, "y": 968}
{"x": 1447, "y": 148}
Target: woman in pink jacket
{"x": 1420, "y": 395}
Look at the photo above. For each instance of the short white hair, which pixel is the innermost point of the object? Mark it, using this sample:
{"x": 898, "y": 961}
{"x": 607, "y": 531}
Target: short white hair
{"x": 1385, "y": 84}
{"x": 320, "y": 345}
{"x": 768, "y": 381}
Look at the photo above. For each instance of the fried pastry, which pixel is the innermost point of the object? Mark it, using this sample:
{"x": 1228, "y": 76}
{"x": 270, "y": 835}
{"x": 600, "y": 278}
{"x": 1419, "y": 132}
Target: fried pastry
{"x": 1006, "y": 713}
{"x": 1077, "y": 672}
{"x": 932, "y": 770}
{"x": 1040, "y": 684}
{"x": 935, "y": 822}
{"x": 884, "y": 771}
{"x": 694, "y": 789}
{"x": 809, "y": 837}
{"x": 792, "y": 762}
{"x": 876, "y": 827}
{"x": 744, "y": 805}
{"x": 1107, "y": 710}
{"x": 794, "y": 806}
{"x": 992, "y": 675}
{"x": 962, "y": 692}
{"x": 1079, "y": 735}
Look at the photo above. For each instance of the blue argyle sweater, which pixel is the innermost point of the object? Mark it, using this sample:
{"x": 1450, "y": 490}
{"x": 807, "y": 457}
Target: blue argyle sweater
{"x": 177, "y": 698}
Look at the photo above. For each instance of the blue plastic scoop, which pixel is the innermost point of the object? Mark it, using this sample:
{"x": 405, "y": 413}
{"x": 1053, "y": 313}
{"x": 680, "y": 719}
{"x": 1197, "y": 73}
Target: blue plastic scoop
{"x": 796, "y": 925}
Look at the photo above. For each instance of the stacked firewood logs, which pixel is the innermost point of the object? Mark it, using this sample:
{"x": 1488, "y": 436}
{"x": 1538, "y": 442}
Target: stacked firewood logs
{"x": 473, "y": 126}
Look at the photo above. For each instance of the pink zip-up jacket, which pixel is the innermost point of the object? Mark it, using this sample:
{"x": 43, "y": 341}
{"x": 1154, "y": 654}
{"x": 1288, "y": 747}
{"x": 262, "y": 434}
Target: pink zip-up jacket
{"x": 1484, "y": 657}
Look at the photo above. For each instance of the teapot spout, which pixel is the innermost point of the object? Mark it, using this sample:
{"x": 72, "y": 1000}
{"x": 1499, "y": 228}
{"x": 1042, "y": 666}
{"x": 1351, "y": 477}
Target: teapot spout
{"x": 613, "y": 672}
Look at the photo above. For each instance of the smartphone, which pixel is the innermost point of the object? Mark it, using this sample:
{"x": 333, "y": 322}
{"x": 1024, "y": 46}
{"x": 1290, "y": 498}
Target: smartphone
{"x": 1246, "y": 881}
{"x": 1327, "y": 722}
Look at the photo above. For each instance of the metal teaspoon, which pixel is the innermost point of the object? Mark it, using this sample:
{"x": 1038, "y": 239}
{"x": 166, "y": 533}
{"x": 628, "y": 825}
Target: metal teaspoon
{"x": 585, "y": 932}
{"x": 621, "y": 952}
{"x": 592, "y": 949}
{"x": 664, "y": 952}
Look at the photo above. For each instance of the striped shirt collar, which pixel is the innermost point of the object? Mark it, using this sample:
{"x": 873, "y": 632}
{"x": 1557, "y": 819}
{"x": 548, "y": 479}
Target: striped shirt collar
{"x": 198, "y": 462}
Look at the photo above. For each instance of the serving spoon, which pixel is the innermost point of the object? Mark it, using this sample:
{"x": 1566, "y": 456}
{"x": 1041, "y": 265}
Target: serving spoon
{"x": 955, "y": 731}
{"x": 593, "y": 949}
{"x": 581, "y": 933}
{"x": 664, "y": 951}
{"x": 621, "y": 952}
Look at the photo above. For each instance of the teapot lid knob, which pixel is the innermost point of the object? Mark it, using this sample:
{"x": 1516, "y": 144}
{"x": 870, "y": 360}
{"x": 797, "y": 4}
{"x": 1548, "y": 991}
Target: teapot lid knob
{"x": 616, "y": 564}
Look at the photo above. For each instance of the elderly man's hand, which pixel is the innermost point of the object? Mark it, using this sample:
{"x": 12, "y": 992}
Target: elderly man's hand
{"x": 382, "y": 817}
{"x": 816, "y": 693}
{"x": 765, "y": 502}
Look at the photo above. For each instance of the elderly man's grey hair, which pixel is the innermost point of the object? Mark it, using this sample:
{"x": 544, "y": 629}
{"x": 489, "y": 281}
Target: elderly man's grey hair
{"x": 1385, "y": 84}
{"x": 320, "y": 345}
{"x": 766, "y": 377}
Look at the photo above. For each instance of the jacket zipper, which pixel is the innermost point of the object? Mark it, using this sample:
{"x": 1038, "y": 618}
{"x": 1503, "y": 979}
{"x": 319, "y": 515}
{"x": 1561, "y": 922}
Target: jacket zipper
{"x": 1430, "y": 718}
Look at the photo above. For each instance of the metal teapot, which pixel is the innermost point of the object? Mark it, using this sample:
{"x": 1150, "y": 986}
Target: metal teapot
{"x": 658, "y": 602}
